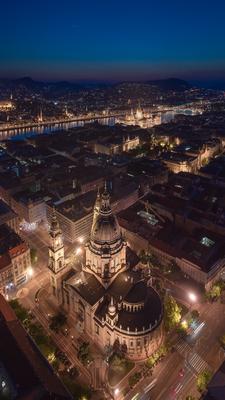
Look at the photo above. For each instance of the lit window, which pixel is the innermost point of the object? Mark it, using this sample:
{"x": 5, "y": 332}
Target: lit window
{"x": 206, "y": 241}
{"x": 150, "y": 218}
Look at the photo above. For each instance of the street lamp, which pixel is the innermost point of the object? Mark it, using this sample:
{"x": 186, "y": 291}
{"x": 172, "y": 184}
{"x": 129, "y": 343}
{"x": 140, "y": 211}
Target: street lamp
{"x": 30, "y": 271}
{"x": 78, "y": 251}
{"x": 116, "y": 391}
{"x": 81, "y": 240}
{"x": 192, "y": 297}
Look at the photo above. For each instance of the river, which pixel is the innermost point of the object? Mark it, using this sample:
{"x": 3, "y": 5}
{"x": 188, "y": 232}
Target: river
{"x": 22, "y": 133}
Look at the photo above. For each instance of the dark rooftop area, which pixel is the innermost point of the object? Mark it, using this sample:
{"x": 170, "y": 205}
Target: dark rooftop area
{"x": 29, "y": 373}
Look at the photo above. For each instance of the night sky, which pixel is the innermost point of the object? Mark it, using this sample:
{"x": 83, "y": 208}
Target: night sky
{"x": 113, "y": 40}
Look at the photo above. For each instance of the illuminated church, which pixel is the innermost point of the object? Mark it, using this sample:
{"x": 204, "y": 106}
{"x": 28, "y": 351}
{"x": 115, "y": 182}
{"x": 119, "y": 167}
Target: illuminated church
{"x": 107, "y": 298}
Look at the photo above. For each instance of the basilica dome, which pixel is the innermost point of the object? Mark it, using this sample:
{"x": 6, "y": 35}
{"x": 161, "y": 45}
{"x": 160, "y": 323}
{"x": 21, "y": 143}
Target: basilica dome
{"x": 105, "y": 229}
{"x": 106, "y": 249}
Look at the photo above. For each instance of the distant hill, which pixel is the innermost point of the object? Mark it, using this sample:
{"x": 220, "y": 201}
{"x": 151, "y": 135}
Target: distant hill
{"x": 171, "y": 84}
{"x": 62, "y": 88}
{"x": 30, "y": 85}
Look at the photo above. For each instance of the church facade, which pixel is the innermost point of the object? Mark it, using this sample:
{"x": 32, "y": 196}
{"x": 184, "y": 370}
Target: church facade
{"x": 107, "y": 298}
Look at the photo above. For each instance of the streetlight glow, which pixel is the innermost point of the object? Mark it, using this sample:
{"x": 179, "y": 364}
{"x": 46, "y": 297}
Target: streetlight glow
{"x": 30, "y": 271}
{"x": 78, "y": 251}
{"x": 116, "y": 391}
{"x": 192, "y": 297}
{"x": 81, "y": 240}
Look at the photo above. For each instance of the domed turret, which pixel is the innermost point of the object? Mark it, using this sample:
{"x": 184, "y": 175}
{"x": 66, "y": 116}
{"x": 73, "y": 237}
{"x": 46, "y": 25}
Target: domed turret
{"x": 111, "y": 308}
{"x": 106, "y": 249}
{"x": 105, "y": 227}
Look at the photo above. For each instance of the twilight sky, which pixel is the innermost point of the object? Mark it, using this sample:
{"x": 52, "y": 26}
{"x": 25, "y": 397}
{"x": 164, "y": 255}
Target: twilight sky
{"x": 113, "y": 39}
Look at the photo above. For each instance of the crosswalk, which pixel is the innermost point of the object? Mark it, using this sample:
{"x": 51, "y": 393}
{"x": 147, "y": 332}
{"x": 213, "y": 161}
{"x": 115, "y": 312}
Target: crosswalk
{"x": 197, "y": 363}
{"x": 192, "y": 359}
{"x": 182, "y": 347}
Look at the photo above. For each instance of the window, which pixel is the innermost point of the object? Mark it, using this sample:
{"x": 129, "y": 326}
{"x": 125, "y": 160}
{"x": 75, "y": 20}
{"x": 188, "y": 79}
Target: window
{"x": 206, "y": 241}
{"x": 97, "y": 329}
{"x": 150, "y": 218}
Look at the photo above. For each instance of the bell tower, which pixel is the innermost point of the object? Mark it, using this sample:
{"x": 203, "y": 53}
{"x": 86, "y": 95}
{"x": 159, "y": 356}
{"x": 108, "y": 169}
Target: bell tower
{"x": 106, "y": 249}
{"x": 56, "y": 262}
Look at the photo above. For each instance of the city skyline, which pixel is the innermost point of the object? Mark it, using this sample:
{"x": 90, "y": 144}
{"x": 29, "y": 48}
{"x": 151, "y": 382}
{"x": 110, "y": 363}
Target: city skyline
{"x": 114, "y": 42}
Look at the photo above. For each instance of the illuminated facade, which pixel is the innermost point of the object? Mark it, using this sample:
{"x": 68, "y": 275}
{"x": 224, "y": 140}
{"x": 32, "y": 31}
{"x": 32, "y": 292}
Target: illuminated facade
{"x": 6, "y": 105}
{"x": 141, "y": 118}
{"x": 15, "y": 268}
{"x": 108, "y": 299}
{"x": 118, "y": 146}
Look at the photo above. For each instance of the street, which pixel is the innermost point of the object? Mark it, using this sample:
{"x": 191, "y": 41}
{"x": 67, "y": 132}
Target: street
{"x": 176, "y": 374}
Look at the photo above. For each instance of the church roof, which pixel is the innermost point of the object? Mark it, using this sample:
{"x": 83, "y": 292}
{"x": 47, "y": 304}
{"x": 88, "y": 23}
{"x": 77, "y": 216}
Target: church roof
{"x": 137, "y": 293}
{"x": 126, "y": 287}
{"x": 87, "y": 286}
{"x": 146, "y": 318}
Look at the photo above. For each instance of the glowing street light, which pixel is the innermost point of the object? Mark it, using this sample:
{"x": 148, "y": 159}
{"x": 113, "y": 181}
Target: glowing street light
{"x": 78, "y": 251}
{"x": 184, "y": 324}
{"x": 30, "y": 272}
{"x": 81, "y": 240}
{"x": 192, "y": 297}
{"x": 116, "y": 392}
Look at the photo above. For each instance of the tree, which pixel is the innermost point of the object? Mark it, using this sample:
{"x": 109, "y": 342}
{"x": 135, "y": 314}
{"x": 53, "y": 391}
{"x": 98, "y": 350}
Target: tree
{"x": 203, "y": 380}
{"x": 147, "y": 259}
{"x": 108, "y": 350}
{"x": 195, "y": 314}
{"x": 116, "y": 347}
{"x": 58, "y": 321}
{"x": 134, "y": 379}
{"x": 214, "y": 292}
{"x": 20, "y": 311}
{"x": 172, "y": 312}
{"x": 143, "y": 256}
{"x": 42, "y": 341}
{"x": 157, "y": 356}
{"x": 38, "y": 334}
{"x": 84, "y": 353}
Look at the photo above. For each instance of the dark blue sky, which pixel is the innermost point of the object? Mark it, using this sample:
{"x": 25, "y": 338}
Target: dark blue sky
{"x": 113, "y": 39}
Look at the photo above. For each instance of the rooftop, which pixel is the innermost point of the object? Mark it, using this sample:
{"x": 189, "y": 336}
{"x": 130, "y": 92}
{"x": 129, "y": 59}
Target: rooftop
{"x": 8, "y": 239}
